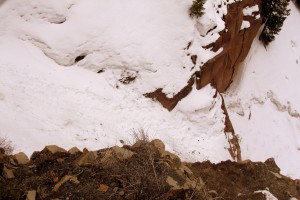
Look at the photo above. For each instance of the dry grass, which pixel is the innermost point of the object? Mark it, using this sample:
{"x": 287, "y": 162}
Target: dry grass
{"x": 142, "y": 176}
{"x": 6, "y": 145}
{"x": 140, "y": 135}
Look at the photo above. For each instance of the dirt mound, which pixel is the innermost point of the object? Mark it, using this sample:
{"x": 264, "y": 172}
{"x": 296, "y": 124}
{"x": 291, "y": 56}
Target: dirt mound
{"x": 144, "y": 170}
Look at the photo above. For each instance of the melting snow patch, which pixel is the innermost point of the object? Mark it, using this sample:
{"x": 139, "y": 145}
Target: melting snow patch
{"x": 245, "y": 24}
{"x": 268, "y": 195}
{"x": 248, "y": 11}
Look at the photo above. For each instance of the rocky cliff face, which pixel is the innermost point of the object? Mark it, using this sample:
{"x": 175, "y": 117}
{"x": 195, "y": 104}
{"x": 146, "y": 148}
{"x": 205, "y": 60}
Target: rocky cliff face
{"x": 236, "y": 43}
{"x": 242, "y": 23}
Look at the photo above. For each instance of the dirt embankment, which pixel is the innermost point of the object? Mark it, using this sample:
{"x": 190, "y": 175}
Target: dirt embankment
{"x": 144, "y": 170}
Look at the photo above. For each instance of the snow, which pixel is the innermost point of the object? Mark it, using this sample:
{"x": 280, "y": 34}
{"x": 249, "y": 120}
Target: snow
{"x": 48, "y": 98}
{"x": 149, "y": 36}
{"x": 268, "y": 195}
{"x": 263, "y": 102}
{"x": 245, "y": 24}
{"x": 250, "y": 10}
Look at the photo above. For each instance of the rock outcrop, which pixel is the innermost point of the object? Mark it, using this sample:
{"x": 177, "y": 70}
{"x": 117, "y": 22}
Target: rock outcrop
{"x": 236, "y": 43}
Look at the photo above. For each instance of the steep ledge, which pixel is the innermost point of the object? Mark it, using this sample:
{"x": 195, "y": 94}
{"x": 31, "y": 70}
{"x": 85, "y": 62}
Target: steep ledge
{"x": 144, "y": 170}
{"x": 170, "y": 103}
{"x": 236, "y": 44}
{"x": 233, "y": 141}
{"x": 220, "y": 70}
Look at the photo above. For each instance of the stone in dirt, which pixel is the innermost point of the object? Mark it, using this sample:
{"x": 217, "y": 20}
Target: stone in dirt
{"x": 159, "y": 145}
{"x": 74, "y": 150}
{"x": 21, "y": 158}
{"x": 172, "y": 158}
{"x": 103, "y": 188}
{"x": 31, "y": 195}
{"x": 86, "y": 158}
{"x": 116, "y": 152}
{"x": 64, "y": 179}
{"x": 8, "y": 173}
{"x": 54, "y": 149}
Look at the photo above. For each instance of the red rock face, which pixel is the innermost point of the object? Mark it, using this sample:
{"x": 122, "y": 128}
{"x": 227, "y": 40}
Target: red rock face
{"x": 236, "y": 43}
{"x": 220, "y": 70}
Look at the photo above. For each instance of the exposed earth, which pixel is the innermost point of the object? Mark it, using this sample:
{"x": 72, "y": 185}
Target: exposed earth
{"x": 144, "y": 170}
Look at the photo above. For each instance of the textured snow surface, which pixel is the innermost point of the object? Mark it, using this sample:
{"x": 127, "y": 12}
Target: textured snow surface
{"x": 48, "y": 98}
{"x": 263, "y": 101}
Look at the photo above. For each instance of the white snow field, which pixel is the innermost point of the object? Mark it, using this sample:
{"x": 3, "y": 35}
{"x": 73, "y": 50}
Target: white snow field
{"x": 264, "y": 100}
{"x": 48, "y": 98}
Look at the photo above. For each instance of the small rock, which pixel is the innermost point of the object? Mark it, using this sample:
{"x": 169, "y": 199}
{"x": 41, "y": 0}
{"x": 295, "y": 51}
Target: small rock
{"x": 85, "y": 158}
{"x": 213, "y": 193}
{"x": 31, "y": 195}
{"x": 121, "y": 193}
{"x": 8, "y": 173}
{"x": 172, "y": 157}
{"x": 194, "y": 59}
{"x": 74, "y": 150}
{"x": 21, "y": 158}
{"x": 276, "y": 175}
{"x": 64, "y": 179}
{"x": 115, "y": 189}
{"x": 159, "y": 145}
{"x": 85, "y": 150}
{"x": 116, "y": 152}
{"x": 187, "y": 171}
{"x": 138, "y": 144}
{"x": 103, "y": 188}
{"x": 12, "y": 161}
{"x": 60, "y": 160}
{"x": 54, "y": 149}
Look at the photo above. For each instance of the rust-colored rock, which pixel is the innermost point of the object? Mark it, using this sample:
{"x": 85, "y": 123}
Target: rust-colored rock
{"x": 236, "y": 43}
{"x": 220, "y": 70}
{"x": 170, "y": 103}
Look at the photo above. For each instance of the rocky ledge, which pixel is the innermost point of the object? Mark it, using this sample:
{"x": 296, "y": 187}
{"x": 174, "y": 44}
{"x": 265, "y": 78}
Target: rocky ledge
{"x": 144, "y": 170}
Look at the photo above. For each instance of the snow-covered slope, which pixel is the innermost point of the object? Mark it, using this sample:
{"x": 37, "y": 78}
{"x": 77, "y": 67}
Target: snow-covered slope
{"x": 263, "y": 101}
{"x": 48, "y": 98}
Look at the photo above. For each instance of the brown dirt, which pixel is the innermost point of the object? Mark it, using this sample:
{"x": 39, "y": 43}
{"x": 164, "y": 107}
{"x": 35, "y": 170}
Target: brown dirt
{"x": 232, "y": 180}
{"x": 142, "y": 176}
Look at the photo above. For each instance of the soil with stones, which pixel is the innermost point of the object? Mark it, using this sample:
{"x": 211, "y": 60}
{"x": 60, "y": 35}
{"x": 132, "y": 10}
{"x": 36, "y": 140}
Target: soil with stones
{"x": 144, "y": 170}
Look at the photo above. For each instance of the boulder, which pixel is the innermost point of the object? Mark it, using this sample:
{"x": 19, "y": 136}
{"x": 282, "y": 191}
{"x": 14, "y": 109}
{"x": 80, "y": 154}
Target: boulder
{"x": 21, "y": 158}
{"x": 54, "y": 149}
{"x": 74, "y": 150}
{"x": 159, "y": 145}
{"x": 87, "y": 157}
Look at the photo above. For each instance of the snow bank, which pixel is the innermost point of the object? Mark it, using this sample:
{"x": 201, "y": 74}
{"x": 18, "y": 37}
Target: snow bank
{"x": 48, "y": 98}
{"x": 263, "y": 102}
